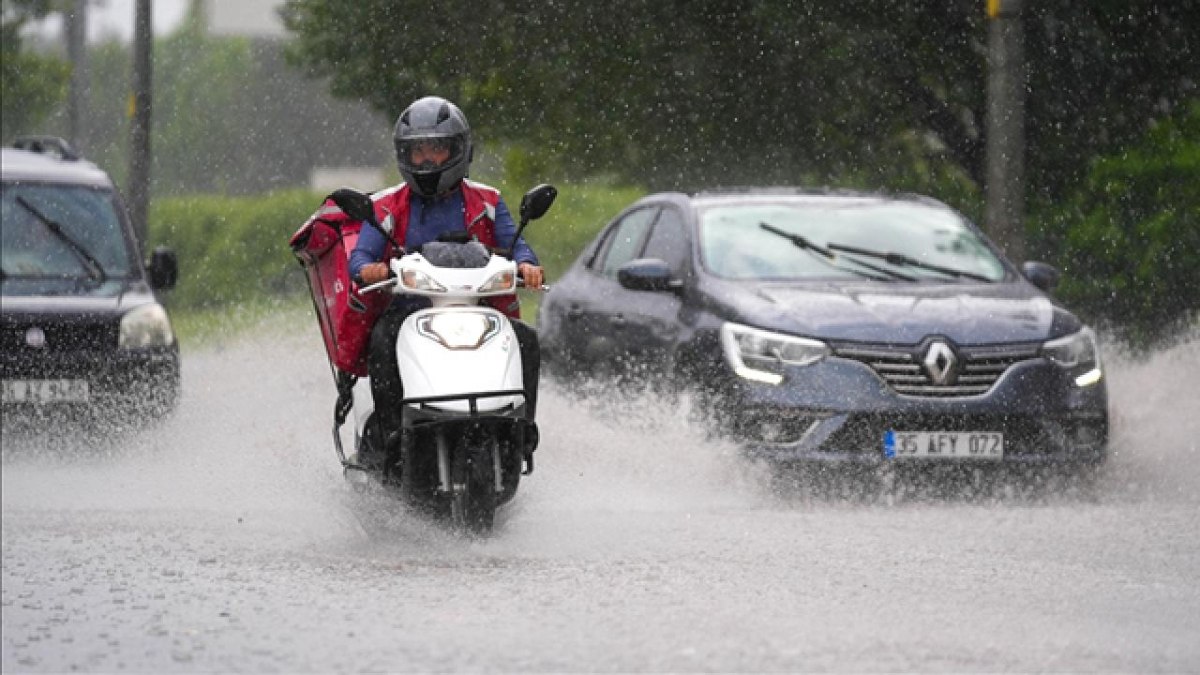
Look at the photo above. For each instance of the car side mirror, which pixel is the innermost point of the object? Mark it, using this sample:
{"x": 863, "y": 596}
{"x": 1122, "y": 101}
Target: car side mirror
{"x": 163, "y": 269}
{"x": 647, "y": 274}
{"x": 354, "y": 203}
{"x": 1041, "y": 275}
{"x": 537, "y": 202}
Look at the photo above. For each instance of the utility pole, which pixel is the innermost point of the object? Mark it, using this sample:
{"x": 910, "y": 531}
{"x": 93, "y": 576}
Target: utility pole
{"x": 75, "y": 22}
{"x": 139, "y": 130}
{"x": 1005, "y": 212}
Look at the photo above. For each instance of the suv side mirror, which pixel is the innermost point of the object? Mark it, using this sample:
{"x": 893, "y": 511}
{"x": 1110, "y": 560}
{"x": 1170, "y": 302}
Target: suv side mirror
{"x": 1041, "y": 275}
{"x": 537, "y": 201}
{"x": 163, "y": 268}
{"x": 647, "y": 274}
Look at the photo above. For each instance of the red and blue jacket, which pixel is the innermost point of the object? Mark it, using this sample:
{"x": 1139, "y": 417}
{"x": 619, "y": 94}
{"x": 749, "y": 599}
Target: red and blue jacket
{"x": 346, "y": 316}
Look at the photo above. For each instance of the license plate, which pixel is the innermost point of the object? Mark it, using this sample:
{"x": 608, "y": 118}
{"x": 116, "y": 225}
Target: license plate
{"x": 46, "y": 391}
{"x": 943, "y": 444}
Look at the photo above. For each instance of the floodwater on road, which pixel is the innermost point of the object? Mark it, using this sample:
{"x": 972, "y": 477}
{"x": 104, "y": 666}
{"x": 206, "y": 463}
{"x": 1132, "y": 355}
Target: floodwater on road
{"x": 226, "y": 539}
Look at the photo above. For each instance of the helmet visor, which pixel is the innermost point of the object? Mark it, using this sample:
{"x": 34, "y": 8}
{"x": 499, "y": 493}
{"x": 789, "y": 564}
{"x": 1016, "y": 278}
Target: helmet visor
{"x": 421, "y": 155}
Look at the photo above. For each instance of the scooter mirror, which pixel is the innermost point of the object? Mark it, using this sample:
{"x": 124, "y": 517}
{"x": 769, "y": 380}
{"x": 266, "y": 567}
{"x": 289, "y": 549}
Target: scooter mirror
{"x": 537, "y": 201}
{"x": 354, "y": 203}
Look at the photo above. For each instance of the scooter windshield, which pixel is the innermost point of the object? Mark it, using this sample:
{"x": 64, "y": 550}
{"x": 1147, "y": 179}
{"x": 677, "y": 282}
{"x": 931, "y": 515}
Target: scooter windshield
{"x": 470, "y": 255}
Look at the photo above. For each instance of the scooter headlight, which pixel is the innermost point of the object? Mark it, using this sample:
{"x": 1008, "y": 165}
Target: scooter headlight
{"x": 1077, "y": 353}
{"x": 459, "y": 330}
{"x": 419, "y": 281}
{"x": 759, "y": 355}
{"x": 501, "y": 281}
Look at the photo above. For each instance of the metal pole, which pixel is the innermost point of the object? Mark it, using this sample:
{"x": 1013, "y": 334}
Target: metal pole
{"x": 139, "y": 131}
{"x": 75, "y": 19}
{"x": 1005, "y": 212}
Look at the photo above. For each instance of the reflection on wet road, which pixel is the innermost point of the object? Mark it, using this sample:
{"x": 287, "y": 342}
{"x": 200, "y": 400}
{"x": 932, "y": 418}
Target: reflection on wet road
{"x": 226, "y": 540}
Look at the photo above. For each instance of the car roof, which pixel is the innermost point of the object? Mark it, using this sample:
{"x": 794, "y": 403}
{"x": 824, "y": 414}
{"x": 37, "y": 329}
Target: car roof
{"x": 23, "y": 165}
{"x": 809, "y": 196}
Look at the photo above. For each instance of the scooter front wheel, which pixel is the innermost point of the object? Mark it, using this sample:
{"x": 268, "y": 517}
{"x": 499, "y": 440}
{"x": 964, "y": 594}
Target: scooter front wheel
{"x": 473, "y": 496}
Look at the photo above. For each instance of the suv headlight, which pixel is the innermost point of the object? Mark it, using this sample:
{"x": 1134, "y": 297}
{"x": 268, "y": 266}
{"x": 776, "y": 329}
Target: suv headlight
{"x": 760, "y": 355}
{"x": 146, "y": 326}
{"x": 1077, "y": 353}
{"x": 459, "y": 330}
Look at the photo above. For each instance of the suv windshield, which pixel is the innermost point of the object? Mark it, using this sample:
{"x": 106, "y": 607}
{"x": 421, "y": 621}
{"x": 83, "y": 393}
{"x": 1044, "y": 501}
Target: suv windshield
{"x": 736, "y": 245}
{"x": 31, "y": 249}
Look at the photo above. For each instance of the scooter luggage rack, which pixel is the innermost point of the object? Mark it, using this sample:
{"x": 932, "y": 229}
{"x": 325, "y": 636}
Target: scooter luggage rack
{"x": 472, "y": 401}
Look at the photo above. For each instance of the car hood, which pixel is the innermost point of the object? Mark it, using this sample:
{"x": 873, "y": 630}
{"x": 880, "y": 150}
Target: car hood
{"x": 113, "y": 298}
{"x": 906, "y": 314}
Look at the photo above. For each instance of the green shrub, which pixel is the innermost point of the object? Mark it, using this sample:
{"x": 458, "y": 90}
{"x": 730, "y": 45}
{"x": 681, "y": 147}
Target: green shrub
{"x": 1130, "y": 236}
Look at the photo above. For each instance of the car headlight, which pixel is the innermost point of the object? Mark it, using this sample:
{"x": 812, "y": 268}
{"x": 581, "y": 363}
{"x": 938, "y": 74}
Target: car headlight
{"x": 759, "y": 355}
{"x": 459, "y": 330}
{"x": 501, "y": 281}
{"x": 1077, "y": 353}
{"x": 146, "y": 326}
{"x": 419, "y": 281}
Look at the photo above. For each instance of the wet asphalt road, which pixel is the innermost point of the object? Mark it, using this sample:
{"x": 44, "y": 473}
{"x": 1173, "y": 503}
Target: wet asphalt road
{"x": 226, "y": 540}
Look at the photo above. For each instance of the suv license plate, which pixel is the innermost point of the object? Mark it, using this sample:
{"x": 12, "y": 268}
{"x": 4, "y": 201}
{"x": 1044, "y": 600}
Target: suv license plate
{"x": 943, "y": 445}
{"x": 46, "y": 391}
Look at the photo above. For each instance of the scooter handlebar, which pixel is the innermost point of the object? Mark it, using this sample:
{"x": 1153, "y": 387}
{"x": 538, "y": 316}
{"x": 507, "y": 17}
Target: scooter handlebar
{"x": 521, "y": 284}
{"x": 380, "y": 285}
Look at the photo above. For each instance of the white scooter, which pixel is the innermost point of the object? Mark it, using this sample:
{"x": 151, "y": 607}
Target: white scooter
{"x": 466, "y": 437}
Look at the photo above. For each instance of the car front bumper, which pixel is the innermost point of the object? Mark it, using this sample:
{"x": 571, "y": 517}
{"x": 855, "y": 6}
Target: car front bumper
{"x": 136, "y": 382}
{"x": 839, "y": 410}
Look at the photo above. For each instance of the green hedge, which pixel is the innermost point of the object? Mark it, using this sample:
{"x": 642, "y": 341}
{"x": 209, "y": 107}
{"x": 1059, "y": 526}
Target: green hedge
{"x": 233, "y": 250}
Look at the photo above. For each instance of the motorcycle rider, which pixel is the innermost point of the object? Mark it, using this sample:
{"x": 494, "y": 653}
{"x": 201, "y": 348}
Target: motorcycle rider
{"x": 436, "y": 201}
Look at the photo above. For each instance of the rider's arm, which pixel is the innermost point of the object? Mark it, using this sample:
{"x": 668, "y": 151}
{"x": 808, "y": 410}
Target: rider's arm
{"x": 369, "y": 249}
{"x": 505, "y": 229}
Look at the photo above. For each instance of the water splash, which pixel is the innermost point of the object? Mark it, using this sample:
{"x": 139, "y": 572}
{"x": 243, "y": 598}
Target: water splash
{"x": 250, "y": 445}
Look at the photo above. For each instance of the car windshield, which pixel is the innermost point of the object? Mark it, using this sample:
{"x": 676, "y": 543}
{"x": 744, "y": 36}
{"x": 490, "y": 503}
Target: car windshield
{"x": 61, "y": 232}
{"x": 747, "y": 240}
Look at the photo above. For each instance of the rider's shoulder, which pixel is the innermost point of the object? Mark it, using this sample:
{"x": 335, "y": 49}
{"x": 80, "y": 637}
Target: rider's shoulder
{"x": 387, "y": 192}
{"x": 484, "y": 187}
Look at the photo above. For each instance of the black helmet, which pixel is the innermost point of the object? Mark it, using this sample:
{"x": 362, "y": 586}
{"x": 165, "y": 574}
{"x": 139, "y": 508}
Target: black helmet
{"x": 436, "y": 120}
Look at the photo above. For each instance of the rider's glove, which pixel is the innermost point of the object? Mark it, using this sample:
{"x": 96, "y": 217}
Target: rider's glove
{"x": 373, "y": 273}
{"x": 532, "y": 274}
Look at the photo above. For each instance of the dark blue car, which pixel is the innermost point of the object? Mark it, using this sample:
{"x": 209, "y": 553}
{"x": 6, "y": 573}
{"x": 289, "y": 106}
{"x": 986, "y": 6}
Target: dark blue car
{"x": 834, "y": 326}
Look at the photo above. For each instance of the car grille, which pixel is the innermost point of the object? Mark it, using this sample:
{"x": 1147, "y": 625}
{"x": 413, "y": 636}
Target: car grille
{"x": 978, "y": 367}
{"x": 60, "y": 337}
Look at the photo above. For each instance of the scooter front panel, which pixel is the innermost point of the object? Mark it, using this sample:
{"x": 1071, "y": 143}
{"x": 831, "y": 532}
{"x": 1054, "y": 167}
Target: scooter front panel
{"x": 458, "y": 351}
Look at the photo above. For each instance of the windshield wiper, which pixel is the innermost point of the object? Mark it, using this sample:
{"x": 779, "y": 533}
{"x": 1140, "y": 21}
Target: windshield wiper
{"x": 830, "y": 258}
{"x": 93, "y": 266}
{"x": 902, "y": 260}
{"x": 797, "y": 240}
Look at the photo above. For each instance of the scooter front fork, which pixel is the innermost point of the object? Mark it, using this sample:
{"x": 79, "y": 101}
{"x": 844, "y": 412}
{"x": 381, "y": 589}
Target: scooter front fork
{"x": 497, "y": 472}
{"x": 443, "y": 460}
{"x": 446, "y": 484}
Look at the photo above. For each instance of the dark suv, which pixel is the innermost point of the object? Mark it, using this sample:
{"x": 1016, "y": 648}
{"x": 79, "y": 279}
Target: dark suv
{"x": 80, "y": 325}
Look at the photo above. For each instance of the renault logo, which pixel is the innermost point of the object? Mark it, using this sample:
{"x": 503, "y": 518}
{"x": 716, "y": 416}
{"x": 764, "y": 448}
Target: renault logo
{"x": 940, "y": 363}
